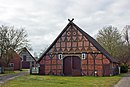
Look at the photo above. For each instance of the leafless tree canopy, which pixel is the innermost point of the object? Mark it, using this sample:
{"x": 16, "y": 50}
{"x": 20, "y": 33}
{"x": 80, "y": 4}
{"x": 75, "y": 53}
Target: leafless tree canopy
{"x": 126, "y": 35}
{"x": 11, "y": 39}
{"x": 110, "y": 38}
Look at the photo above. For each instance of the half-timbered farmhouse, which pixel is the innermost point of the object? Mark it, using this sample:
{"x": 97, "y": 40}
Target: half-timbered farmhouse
{"x": 75, "y": 53}
{"x": 28, "y": 60}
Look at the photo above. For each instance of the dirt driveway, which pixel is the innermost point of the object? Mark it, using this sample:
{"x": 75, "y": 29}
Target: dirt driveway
{"x": 5, "y": 78}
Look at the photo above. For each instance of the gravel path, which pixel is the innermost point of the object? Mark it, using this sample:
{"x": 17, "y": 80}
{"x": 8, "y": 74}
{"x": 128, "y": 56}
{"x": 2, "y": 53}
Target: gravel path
{"x": 5, "y": 78}
{"x": 124, "y": 82}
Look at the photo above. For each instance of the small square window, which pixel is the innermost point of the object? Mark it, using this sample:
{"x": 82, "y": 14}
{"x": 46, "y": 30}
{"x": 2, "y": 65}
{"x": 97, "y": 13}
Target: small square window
{"x": 24, "y": 57}
{"x": 11, "y": 64}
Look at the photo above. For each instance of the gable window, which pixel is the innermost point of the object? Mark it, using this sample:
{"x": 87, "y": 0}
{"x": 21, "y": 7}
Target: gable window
{"x": 68, "y": 33}
{"x": 83, "y": 55}
{"x": 11, "y": 64}
{"x": 60, "y": 56}
{"x": 24, "y": 58}
{"x": 32, "y": 63}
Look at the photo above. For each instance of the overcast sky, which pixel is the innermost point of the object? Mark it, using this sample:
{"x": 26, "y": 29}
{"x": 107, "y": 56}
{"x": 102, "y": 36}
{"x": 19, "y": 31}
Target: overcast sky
{"x": 45, "y": 19}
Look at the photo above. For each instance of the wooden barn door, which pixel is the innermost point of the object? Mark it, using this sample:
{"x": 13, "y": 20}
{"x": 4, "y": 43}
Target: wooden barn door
{"x": 67, "y": 67}
{"x": 72, "y": 66}
{"x": 106, "y": 69}
{"x": 42, "y": 69}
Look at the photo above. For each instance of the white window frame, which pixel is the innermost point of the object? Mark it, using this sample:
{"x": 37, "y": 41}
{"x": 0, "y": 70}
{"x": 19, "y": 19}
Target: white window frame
{"x": 11, "y": 64}
{"x": 83, "y": 55}
{"x": 60, "y": 56}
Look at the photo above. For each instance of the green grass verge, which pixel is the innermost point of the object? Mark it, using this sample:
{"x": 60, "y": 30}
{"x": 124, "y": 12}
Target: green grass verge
{"x": 8, "y": 72}
{"x": 61, "y": 81}
{"x": 11, "y": 72}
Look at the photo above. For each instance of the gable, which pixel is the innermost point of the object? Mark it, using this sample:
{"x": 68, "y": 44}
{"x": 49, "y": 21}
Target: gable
{"x": 26, "y": 53}
{"x": 71, "y": 41}
{"x": 16, "y": 58}
{"x": 74, "y": 40}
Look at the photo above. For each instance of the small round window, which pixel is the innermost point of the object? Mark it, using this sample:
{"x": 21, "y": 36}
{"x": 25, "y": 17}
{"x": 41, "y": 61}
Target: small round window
{"x": 68, "y": 33}
{"x": 74, "y": 33}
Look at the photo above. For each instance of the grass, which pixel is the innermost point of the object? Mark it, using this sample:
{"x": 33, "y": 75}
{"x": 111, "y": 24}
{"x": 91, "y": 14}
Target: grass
{"x": 13, "y": 72}
{"x": 9, "y": 72}
{"x": 25, "y": 70}
{"x": 61, "y": 81}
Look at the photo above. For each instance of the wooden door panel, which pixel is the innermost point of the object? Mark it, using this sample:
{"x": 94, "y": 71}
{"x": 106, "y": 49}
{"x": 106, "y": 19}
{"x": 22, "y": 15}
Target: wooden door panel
{"x": 42, "y": 69}
{"x": 72, "y": 66}
{"x": 76, "y": 63}
{"x": 106, "y": 69}
{"x": 67, "y": 66}
{"x": 76, "y": 66}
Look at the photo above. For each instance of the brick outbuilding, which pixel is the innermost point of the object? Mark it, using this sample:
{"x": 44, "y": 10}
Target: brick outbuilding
{"x": 14, "y": 63}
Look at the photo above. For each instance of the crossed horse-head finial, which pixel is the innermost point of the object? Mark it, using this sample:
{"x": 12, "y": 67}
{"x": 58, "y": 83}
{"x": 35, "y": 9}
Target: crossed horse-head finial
{"x": 71, "y": 20}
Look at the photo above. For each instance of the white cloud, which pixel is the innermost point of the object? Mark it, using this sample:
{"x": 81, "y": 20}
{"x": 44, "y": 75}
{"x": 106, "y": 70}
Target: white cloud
{"x": 45, "y": 19}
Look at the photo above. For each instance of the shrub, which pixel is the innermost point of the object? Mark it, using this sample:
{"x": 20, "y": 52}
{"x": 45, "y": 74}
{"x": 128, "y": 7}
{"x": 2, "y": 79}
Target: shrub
{"x": 124, "y": 68}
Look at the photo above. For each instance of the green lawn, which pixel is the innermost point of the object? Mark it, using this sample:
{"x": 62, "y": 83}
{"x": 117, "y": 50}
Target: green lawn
{"x": 9, "y": 72}
{"x": 61, "y": 81}
{"x": 13, "y": 72}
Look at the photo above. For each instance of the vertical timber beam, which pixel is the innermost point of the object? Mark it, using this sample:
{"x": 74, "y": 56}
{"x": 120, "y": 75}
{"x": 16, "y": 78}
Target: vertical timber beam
{"x": 102, "y": 66}
{"x": 87, "y": 65}
{"x": 51, "y": 64}
{"x": 45, "y": 64}
{"x": 56, "y": 63}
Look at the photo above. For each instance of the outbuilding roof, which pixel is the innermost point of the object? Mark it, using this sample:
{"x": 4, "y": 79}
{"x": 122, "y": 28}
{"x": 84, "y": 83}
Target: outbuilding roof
{"x": 25, "y": 49}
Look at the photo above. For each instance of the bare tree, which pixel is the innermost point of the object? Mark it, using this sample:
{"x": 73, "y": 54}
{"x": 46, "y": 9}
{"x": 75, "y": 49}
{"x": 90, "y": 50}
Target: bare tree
{"x": 124, "y": 54}
{"x": 125, "y": 49}
{"x": 126, "y": 31}
{"x": 11, "y": 39}
{"x": 43, "y": 50}
{"x": 115, "y": 43}
{"x": 110, "y": 38}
